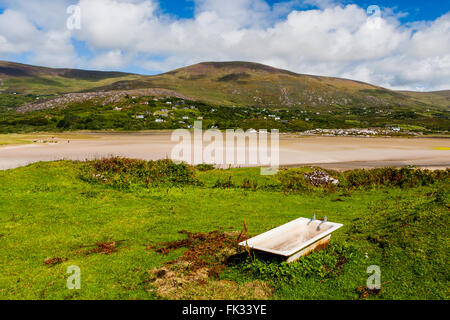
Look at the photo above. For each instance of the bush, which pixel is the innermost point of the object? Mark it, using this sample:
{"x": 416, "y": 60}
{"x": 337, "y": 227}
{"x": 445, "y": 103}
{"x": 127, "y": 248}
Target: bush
{"x": 293, "y": 180}
{"x": 296, "y": 179}
{"x": 320, "y": 264}
{"x": 225, "y": 183}
{"x": 124, "y": 173}
{"x": 391, "y": 177}
{"x": 205, "y": 167}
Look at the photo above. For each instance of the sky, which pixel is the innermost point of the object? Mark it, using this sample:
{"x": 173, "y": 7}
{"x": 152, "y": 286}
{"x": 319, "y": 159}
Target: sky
{"x": 402, "y": 44}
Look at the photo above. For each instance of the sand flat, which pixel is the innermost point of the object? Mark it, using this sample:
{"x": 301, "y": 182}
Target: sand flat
{"x": 332, "y": 152}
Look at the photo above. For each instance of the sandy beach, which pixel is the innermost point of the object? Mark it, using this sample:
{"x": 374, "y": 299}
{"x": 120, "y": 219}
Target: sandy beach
{"x": 340, "y": 153}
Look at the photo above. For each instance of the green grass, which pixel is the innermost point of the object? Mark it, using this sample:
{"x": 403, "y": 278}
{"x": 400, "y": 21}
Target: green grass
{"x": 47, "y": 210}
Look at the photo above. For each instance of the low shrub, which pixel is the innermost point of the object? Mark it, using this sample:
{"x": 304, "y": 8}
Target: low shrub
{"x": 224, "y": 183}
{"x": 295, "y": 180}
{"x": 320, "y": 264}
{"x": 205, "y": 167}
{"x": 392, "y": 177}
{"x": 123, "y": 173}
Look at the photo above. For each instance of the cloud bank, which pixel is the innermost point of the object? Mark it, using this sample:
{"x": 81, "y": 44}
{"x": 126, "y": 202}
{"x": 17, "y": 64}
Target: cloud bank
{"x": 328, "y": 39}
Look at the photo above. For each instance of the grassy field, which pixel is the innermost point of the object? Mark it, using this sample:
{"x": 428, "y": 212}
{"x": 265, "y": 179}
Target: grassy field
{"x": 17, "y": 139}
{"x": 110, "y": 218}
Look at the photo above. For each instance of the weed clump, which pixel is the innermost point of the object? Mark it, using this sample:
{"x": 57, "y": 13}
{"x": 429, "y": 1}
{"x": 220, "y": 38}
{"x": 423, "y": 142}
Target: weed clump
{"x": 311, "y": 179}
{"x": 322, "y": 264}
{"x": 205, "y": 167}
{"x": 123, "y": 173}
{"x": 224, "y": 183}
{"x": 392, "y": 177}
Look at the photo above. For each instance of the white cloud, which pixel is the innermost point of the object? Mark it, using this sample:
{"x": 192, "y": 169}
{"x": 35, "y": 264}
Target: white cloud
{"x": 333, "y": 39}
{"x": 24, "y": 30}
{"x": 110, "y": 59}
{"x": 17, "y": 39}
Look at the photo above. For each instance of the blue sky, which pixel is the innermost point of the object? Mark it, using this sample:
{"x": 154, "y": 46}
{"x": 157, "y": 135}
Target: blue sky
{"x": 416, "y": 9}
{"x": 406, "y": 47}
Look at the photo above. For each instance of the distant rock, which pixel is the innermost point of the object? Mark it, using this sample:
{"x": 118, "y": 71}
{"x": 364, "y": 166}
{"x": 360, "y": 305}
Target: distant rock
{"x": 321, "y": 179}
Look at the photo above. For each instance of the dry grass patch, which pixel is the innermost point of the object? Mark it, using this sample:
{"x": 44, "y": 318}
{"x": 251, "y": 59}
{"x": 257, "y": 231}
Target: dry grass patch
{"x": 174, "y": 283}
{"x": 195, "y": 274}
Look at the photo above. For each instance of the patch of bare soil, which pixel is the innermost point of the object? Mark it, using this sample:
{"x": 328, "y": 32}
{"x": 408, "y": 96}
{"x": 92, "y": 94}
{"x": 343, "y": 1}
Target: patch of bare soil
{"x": 364, "y": 292}
{"x": 105, "y": 247}
{"x": 195, "y": 274}
{"x": 53, "y": 261}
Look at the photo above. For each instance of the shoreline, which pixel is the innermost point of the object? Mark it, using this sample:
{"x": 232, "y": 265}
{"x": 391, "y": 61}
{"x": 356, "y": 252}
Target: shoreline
{"x": 339, "y": 153}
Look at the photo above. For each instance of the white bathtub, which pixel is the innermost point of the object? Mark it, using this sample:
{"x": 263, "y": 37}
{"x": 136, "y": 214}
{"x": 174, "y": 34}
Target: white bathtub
{"x": 294, "y": 239}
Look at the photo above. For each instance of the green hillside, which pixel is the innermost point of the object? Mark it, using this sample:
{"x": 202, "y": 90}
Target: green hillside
{"x": 252, "y": 84}
{"x": 24, "y": 79}
{"x": 221, "y": 83}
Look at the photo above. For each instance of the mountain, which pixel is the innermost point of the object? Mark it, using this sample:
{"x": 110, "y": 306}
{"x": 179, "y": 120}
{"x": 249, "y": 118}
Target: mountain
{"x": 222, "y": 83}
{"x": 253, "y": 84}
{"x": 26, "y": 79}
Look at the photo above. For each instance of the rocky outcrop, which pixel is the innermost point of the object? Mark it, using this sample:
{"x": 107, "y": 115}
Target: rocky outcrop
{"x": 104, "y": 98}
{"x": 321, "y": 179}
